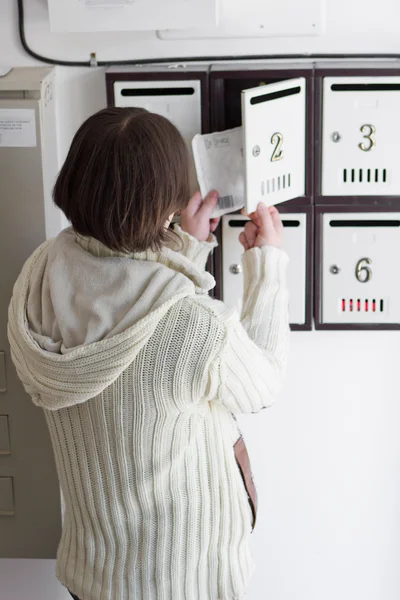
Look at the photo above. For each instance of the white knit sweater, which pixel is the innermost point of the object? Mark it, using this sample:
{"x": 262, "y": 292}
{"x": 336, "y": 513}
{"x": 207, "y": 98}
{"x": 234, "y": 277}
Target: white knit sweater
{"x": 140, "y": 373}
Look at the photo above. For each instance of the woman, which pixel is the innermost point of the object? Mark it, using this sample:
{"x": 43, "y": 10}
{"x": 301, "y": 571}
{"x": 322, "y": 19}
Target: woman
{"x": 114, "y": 333}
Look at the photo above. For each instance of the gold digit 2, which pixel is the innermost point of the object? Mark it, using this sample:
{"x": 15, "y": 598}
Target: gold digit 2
{"x": 277, "y": 154}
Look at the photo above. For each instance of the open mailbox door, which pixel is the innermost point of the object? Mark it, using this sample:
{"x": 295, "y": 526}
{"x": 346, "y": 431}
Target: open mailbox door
{"x": 274, "y": 140}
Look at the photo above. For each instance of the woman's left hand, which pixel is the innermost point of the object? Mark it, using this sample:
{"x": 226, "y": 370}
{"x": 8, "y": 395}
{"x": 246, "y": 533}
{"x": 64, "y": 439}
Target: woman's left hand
{"x": 196, "y": 218}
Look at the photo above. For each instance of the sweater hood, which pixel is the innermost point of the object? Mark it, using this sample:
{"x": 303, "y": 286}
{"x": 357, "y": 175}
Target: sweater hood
{"x": 80, "y": 313}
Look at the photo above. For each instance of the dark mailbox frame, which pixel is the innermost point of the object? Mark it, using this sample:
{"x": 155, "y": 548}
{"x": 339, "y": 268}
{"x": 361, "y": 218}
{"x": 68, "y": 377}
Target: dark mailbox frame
{"x": 343, "y": 209}
{"x": 284, "y": 209}
{"x": 252, "y": 74}
{"x": 164, "y": 73}
{"x": 344, "y": 69}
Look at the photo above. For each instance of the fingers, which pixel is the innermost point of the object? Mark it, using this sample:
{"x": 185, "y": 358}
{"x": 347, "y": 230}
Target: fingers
{"x": 266, "y": 227}
{"x": 253, "y": 216}
{"x": 194, "y": 204}
{"x": 276, "y": 218}
{"x": 209, "y": 203}
{"x": 243, "y": 241}
{"x": 250, "y": 233}
{"x": 214, "y": 224}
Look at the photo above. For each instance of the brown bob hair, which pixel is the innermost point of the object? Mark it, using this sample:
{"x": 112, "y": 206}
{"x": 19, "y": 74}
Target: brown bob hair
{"x": 126, "y": 172}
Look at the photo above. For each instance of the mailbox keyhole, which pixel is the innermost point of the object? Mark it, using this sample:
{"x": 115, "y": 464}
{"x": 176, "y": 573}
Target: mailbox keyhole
{"x": 334, "y": 269}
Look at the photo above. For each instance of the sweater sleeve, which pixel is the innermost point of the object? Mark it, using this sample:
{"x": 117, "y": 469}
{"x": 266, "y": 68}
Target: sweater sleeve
{"x": 197, "y": 252}
{"x": 252, "y": 363}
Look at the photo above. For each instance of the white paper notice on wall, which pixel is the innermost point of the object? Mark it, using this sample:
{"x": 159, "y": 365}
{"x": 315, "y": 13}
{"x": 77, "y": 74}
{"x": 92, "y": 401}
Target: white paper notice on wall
{"x": 17, "y": 128}
{"x": 130, "y": 15}
{"x": 219, "y": 165}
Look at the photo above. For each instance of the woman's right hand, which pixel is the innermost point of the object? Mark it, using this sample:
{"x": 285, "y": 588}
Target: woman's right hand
{"x": 265, "y": 228}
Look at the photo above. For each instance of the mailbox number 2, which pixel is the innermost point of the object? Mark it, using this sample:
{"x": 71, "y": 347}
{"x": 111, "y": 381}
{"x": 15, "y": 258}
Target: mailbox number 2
{"x": 363, "y": 270}
{"x": 277, "y": 154}
{"x": 369, "y": 132}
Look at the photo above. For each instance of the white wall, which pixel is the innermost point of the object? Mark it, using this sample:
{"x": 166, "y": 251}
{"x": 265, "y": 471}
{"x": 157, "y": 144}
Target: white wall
{"x": 327, "y": 456}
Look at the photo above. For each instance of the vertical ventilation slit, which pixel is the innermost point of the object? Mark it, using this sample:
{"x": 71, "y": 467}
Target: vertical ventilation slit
{"x": 345, "y": 175}
{"x": 288, "y": 180}
{"x": 376, "y": 175}
{"x": 284, "y": 181}
{"x": 262, "y": 188}
{"x": 273, "y": 185}
{"x": 360, "y": 174}
{"x": 268, "y": 186}
{"x": 279, "y": 183}
{"x": 369, "y": 175}
{"x": 365, "y": 305}
{"x": 384, "y": 175}
{"x": 352, "y": 175}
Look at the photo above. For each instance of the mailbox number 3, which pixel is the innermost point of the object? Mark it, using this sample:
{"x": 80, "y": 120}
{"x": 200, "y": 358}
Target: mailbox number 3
{"x": 363, "y": 271}
{"x": 368, "y": 131}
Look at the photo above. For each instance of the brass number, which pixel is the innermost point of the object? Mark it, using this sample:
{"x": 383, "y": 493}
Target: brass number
{"x": 368, "y": 131}
{"x": 363, "y": 271}
{"x": 277, "y": 154}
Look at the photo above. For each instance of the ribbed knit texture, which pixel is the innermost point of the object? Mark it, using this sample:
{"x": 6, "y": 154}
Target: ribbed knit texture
{"x": 143, "y": 430}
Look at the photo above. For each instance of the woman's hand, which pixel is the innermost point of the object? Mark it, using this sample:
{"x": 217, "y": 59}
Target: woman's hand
{"x": 264, "y": 229}
{"x": 196, "y": 218}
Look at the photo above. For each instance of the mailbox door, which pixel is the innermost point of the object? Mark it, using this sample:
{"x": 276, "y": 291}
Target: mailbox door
{"x": 361, "y": 136}
{"x": 274, "y": 130}
{"x": 178, "y": 101}
{"x": 295, "y": 245}
{"x": 360, "y": 283}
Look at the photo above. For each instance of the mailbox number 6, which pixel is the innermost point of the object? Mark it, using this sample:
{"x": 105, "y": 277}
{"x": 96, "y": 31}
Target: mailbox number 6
{"x": 368, "y": 131}
{"x": 363, "y": 271}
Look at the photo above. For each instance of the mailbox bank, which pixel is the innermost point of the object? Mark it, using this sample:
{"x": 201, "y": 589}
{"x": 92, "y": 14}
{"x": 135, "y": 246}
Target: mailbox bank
{"x": 323, "y": 139}
{"x": 357, "y": 194}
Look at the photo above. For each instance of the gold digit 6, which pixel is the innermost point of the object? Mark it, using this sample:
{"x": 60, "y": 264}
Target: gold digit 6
{"x": 363, "y": 272}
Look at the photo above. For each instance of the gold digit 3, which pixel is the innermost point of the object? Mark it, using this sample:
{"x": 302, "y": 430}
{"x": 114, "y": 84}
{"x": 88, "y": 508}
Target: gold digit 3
{"x": 368, "y": 131}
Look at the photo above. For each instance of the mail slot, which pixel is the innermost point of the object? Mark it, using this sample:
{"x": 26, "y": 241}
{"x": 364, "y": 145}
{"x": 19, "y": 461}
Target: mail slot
{"x": 297, "y": 245}
{"x": 357, "y": 284}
